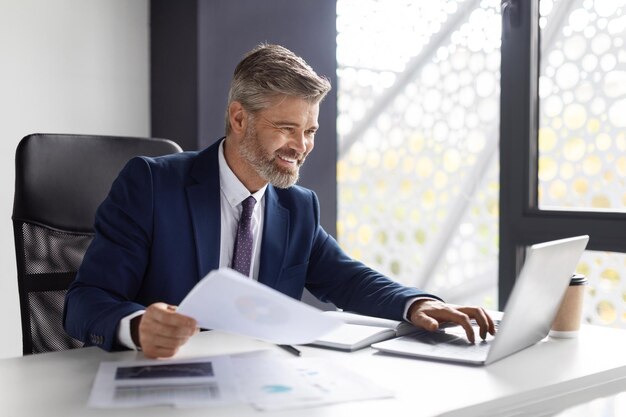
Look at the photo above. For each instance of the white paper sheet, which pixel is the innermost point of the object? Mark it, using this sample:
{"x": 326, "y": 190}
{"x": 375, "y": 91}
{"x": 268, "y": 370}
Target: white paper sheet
{"x": 228, "y": 301}
{"x": 278, "y": 383}
{"x": 182, "y": 383}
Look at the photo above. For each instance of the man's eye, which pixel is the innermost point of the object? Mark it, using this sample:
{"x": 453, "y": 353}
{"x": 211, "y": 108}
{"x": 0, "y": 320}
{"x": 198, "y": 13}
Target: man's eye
{"x": 287, "y": 129}
{"x": 310, "y": 133}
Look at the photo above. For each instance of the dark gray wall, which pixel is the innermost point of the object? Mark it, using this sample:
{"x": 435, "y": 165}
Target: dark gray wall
{"x": 174, "y": 71}
{"x": 226, "y": 30}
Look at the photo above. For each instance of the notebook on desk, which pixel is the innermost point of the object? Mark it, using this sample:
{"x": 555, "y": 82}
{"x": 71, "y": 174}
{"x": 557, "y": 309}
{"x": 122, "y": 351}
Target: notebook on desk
{"x": 358, "y": 331}
{"x": 528, "y": 315}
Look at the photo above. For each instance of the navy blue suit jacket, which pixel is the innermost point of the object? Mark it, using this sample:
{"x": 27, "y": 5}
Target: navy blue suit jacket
{"x": 158, "y": 234}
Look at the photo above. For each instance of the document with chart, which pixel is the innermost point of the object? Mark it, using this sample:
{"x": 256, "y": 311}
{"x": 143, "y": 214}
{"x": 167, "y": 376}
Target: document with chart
{"x": 276, "y": 383}
{"x": 228, "y": 301}
{"x": 182, "y": 383}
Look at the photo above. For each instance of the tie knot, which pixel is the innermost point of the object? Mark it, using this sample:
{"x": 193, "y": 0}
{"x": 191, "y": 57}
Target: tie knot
{"x": 248, "y": 207}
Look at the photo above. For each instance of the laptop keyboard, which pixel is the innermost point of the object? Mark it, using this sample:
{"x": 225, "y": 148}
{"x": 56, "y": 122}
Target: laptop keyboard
{"x": 445, "y": 345}
{"x": 448, "y": 343}
{"x": 452, "y": 341}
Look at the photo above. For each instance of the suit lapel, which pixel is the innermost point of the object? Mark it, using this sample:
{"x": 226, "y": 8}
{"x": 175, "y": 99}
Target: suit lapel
{"x": 203, "y": 198}
{"x": 274, "y": 244}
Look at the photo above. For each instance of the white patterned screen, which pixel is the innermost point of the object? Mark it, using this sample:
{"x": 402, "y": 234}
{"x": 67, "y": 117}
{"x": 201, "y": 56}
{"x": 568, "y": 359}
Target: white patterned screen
{"x": 582, "y": 89}
{"x": 418, "y": 125}
{"x": 605, "y": 298}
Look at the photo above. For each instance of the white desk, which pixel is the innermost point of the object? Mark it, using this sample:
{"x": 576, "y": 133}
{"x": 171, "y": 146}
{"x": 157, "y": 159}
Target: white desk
{"x": 551, "y": 375}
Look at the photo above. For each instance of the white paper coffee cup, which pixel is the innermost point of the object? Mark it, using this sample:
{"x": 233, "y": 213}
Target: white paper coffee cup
{"x": 568, "y": 319}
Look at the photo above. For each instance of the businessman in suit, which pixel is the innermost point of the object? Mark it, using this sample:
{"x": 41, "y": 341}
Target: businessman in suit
{"x": 168, "y": 221}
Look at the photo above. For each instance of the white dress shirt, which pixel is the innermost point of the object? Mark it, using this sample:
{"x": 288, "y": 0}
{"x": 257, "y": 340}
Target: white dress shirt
{"x": 233, "y": 192}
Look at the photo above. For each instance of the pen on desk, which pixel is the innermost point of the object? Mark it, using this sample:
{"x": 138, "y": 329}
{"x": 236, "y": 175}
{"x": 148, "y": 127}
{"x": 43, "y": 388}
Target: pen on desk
{"x": 291, "y": 349}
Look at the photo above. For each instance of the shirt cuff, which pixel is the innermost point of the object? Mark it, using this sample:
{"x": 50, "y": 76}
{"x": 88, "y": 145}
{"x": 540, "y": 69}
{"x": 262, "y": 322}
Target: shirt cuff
{"x": 123, "y": 331}
{"x": 410, "y": 303}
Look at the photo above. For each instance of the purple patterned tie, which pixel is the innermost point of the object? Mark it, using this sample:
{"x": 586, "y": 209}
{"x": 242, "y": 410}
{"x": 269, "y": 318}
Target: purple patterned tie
{"x": 242, "y": 256}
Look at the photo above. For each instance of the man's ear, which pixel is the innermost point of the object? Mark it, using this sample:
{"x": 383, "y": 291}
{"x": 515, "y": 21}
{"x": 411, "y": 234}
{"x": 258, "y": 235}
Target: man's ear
{"x": 237, "y": 117}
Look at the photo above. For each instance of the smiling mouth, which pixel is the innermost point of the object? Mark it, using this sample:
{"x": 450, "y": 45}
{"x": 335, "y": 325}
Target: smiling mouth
{"x": 294, "y": 159}
{"x": 287, "y": 159}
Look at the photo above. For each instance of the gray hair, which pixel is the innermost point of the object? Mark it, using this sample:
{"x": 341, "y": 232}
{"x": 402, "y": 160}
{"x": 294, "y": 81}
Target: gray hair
{"x": 269, "y": 71}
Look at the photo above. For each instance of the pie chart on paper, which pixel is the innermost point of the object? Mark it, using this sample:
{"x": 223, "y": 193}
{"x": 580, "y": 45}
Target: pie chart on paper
{"x": 260, "y": 310}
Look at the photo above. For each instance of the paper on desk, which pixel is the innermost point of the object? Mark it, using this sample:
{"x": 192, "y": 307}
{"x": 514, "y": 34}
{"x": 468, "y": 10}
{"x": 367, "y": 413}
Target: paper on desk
{"x": 264, "y": 380}
{"x": 278, "y": 383}
{"x": 183, "y": 383}
{"x": 228, "y": 301}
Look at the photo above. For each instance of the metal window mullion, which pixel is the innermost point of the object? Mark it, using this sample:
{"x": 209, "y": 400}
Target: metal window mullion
{"x": 518, "y": 122}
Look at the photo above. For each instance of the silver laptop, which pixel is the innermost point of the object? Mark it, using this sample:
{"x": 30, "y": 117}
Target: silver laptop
{"x": 528, "y": 315}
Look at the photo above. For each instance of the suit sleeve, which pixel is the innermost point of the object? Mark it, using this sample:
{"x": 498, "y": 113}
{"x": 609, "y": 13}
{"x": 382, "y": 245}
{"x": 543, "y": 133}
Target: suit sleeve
{"x": 114, "y": 265}
{"x": 334, "y": 276}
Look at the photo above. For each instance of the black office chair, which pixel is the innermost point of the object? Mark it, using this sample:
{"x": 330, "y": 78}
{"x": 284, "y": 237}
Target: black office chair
{"x": 60, "y": 180}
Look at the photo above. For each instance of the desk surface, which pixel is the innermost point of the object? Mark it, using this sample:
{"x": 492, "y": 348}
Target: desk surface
{"x": 551, "y": 375}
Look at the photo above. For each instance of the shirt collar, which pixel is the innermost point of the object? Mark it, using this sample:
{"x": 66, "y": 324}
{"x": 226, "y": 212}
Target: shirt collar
{"x": 234, "y": 191}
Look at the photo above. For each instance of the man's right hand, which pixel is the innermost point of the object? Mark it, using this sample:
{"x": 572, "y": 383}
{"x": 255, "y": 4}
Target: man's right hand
{"x": 161, "y": 331}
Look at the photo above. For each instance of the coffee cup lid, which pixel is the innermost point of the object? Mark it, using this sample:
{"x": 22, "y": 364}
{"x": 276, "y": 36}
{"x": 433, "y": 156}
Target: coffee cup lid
{"x": 578, "y": 279}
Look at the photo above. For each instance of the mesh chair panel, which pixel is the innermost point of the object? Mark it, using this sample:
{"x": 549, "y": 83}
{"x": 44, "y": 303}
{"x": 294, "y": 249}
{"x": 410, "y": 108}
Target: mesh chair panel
{"x": 50, "y": 261}
{"x": 49, "y": 251}
{"x": 46, "y": 327}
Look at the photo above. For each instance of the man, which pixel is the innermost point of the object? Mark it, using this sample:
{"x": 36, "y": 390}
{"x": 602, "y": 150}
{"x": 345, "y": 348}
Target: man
{"x": 168, "y": 221}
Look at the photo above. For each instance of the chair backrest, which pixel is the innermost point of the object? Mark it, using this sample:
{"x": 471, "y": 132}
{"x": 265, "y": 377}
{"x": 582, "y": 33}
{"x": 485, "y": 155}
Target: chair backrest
{"x": 60, "y": 180}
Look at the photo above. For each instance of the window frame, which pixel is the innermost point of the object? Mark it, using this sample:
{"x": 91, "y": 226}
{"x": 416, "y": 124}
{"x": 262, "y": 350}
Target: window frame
{"x": 522, "y": 223}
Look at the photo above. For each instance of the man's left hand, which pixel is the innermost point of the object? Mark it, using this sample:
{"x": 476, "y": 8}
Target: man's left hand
{"x": 429, "y": 314}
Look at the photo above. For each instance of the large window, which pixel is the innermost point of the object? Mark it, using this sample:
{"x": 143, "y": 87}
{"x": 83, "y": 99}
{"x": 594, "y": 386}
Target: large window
{"x": 424, "y": 194}
{"x": 563, "y": 139}
{"x": 582, "y": 135}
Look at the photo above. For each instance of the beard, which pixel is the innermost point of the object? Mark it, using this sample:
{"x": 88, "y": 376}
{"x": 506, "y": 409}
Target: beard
{"x": 265, "y": 164}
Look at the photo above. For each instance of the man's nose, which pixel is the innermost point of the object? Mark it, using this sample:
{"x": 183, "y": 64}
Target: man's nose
{"x": 299, "y": 142}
